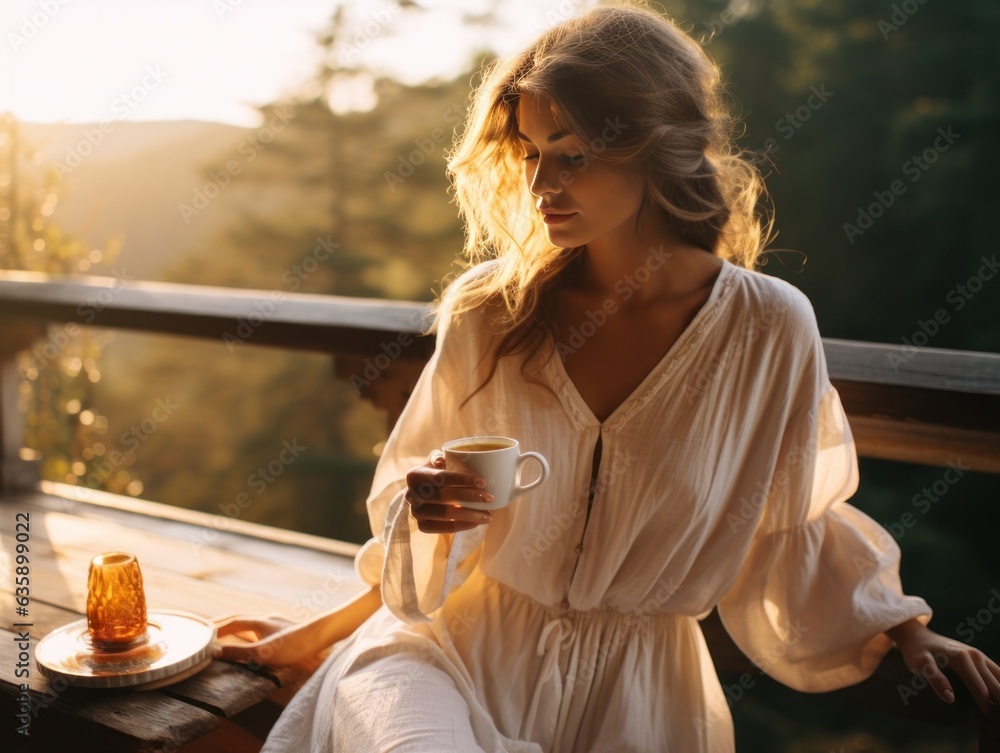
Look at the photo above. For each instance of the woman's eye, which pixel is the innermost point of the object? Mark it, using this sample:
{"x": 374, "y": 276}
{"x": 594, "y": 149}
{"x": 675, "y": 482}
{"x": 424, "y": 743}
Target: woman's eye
{"x": 577, "y": 160}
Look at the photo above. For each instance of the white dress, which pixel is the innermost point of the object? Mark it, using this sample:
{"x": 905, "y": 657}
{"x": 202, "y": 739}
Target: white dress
{"x": 722, "y": 481}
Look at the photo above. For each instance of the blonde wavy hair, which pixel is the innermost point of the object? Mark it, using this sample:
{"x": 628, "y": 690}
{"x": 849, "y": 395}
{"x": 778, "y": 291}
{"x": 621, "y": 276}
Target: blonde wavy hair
{"x": 630, "y": 62}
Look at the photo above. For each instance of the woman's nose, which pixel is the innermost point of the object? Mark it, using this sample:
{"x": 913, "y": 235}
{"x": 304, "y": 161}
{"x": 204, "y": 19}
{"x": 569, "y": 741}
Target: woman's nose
{"x": 545, "y": 180}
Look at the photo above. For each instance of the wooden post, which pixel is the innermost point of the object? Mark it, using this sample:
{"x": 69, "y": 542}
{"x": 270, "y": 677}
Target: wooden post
{"x": 388, "y": 389}
{"x": 989, "y": 733}
{"x": 18, "y": 469}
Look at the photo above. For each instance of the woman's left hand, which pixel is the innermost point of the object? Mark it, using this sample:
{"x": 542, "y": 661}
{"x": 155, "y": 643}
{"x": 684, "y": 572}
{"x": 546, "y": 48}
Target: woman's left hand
{"x": 277, "y": 641}
{"x": 926, "y": 652}
{"x": 261, "y": 640}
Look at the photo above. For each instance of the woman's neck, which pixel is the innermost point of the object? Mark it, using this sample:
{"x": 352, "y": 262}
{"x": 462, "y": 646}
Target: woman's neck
{"x": 637, "y": 276}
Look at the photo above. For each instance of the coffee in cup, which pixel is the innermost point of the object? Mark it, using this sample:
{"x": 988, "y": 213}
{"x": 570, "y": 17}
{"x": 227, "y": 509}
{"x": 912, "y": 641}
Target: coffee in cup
{"x": 499, "y": 461}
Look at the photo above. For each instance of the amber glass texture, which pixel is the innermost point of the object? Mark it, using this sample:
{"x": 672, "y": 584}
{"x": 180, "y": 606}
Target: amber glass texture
{"x": 116, "y": 601}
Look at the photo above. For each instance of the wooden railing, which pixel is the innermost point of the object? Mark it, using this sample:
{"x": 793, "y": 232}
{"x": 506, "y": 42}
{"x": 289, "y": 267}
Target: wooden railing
{"x": 920, "y": 405}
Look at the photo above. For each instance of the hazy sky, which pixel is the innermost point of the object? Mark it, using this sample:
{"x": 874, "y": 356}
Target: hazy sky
{"x": 90, "y": 60}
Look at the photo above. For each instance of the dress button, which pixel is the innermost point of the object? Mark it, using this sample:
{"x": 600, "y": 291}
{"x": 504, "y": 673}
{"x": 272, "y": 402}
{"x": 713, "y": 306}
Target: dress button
{"x": 564, "y": 604}
{"x": 579, "y": 548}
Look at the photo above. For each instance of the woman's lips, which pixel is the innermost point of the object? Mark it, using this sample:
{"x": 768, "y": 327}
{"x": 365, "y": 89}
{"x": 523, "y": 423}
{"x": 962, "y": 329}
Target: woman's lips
{"x": 554, "y": 219}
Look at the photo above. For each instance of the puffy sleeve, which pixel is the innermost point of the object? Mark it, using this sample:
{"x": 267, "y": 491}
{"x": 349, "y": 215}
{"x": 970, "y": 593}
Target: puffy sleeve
{"x": 820, "y": 583}
{"x": 418, "y": 570}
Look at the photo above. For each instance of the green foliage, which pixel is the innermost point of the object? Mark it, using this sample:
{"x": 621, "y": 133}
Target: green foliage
{"x": 58, "y": 375}
{"x": 353, "y": 204}
{"x": 895, "y": 78}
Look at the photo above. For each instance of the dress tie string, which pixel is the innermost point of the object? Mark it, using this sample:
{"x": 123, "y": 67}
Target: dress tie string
{"x": 556, "y": 635}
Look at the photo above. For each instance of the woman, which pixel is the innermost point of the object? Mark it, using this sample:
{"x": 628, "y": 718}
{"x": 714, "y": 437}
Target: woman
{"x": 611, "y": 320}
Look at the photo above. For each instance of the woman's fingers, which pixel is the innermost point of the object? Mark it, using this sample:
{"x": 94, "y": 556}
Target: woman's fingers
{"x": 994, "y": 670}
{"x": 256, "y": 627}
{"x": 235, "y": 652}
{"x": 972, "y": 667}
{"x": 264, "y": 641}
{"x": 278, "y": 650}
{"x": 446, "y": 526}
{"x": 937, "y": 679}
{"x": 990, "y": 673}
{"x": 443, "y": 512}
{"x": 429, "y": 481}
{"x": 453, "y": 494}
{"x": 980, "y": 693}
{"x": 428, "y": 487}
{"x": 927, "y": 653}
{"x": 435, "y": 494}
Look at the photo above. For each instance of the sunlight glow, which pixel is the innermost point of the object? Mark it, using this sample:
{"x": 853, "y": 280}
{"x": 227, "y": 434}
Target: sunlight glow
{"x": 215, "y": 60}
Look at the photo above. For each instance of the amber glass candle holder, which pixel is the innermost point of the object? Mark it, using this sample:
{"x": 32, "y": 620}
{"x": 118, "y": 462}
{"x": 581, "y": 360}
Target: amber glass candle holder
{"x": 116, "y": 601}
{"x": 119, "y": 644}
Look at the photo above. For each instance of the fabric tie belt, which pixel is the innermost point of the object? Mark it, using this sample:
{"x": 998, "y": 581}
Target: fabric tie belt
{"x": 557, "y": 634}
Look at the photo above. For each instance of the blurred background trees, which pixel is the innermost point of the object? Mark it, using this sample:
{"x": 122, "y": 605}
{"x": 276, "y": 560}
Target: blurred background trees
{"x": 59, "y": 376}
{"x": 839, "y": 100}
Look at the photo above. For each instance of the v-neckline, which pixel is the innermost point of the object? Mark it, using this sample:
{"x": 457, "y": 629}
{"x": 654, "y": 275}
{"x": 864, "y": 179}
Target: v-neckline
{"x": 724, "y": 272}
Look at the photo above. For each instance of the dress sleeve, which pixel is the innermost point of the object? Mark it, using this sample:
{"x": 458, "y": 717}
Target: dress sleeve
{"x": 418, "y": 570}
{"x": 820, "y": 583}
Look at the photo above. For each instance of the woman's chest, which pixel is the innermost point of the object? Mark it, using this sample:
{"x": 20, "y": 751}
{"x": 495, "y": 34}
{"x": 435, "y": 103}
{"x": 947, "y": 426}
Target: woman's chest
{"x": 695, "y": 415}
{"x": 607, "y": 356}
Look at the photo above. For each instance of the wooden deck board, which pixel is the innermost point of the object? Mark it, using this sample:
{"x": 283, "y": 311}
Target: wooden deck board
{"x": 203, "y": 580}
{"x": 44, "y": 617}
{"x": 60, "y": 575}
{"x": 244, "y": 575}
{"x": 224, "y": 689}
{"x": 128, "y": 721}
{"x": 169, "y": 533}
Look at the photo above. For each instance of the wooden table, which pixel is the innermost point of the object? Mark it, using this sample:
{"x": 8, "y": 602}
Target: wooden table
{"x": 207, "y": 565}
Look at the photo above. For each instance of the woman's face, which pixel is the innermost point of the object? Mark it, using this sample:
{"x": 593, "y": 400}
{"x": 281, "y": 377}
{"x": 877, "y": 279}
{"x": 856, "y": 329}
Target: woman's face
{"x": 597, "y": 198}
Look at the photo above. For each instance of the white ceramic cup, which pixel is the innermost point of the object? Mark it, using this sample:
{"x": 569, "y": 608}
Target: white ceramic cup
{"x": 501, "y": 467}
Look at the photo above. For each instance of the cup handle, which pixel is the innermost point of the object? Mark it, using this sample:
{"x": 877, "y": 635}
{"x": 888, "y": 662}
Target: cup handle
{"x": 518, "y": 489}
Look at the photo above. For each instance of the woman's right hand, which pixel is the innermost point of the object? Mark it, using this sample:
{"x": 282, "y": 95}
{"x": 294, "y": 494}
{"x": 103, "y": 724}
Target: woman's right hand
{"x": 435, "y": 494}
